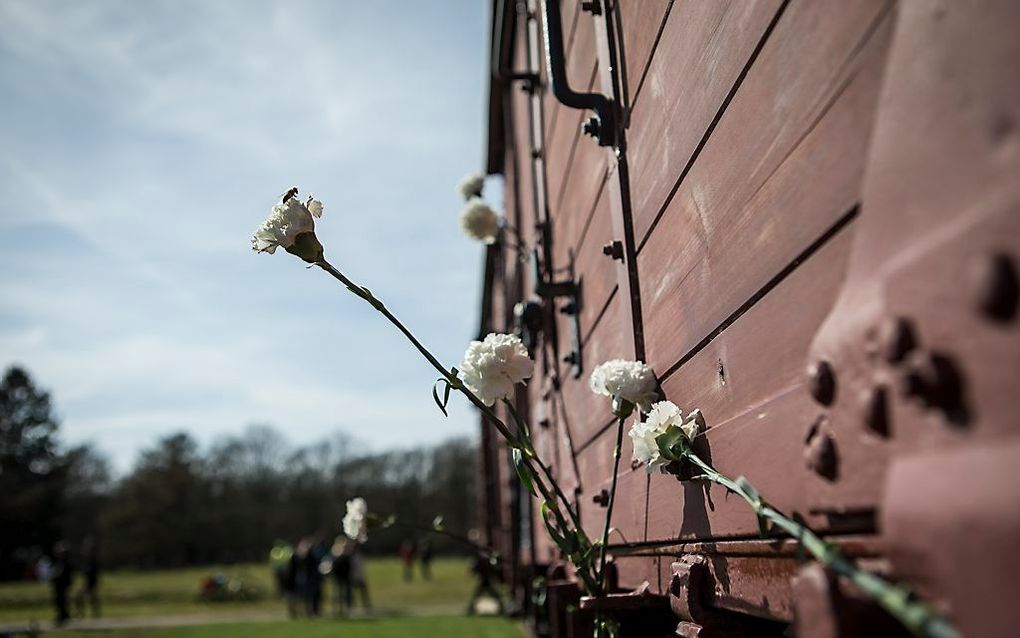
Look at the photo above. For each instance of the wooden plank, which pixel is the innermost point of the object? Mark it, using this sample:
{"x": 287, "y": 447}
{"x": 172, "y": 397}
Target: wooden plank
{"x": 563, "y": 128}
{"x": 764, "y": 189}
{"x": 639, "y": 23}
{"x": 586, "y": 412}
{"x": 749, "y": 384}
{"x": 570, "y": 13}
{"x": 703, "y": 48}
{"x": 594, "y": 271}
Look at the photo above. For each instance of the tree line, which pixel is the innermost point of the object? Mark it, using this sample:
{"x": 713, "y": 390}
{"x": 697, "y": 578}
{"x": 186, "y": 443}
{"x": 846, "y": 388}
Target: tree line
{"x": 182, "y": 504}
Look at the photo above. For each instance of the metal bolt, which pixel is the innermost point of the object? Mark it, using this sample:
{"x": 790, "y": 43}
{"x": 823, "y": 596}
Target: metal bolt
{"x": 614, "y": 249}
{"x": 997, "y": 287}
{"x": 544, "y": 424}
{"x": 536, "y": 153}
{"x": 875, "y": 407}
{"x": 602, "y": 498}
{"x": 570, "y": 358}
{"x": 822, "y": 382}
{"x": 896, "y": 338}
{"x": 591, "y": 127}
{"x": 593, "y": 7}
{"x": 820, "y": 453}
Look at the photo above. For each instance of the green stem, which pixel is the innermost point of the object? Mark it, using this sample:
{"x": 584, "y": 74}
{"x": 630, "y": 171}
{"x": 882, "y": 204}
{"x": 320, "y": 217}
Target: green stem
{"x": 454, "y": 382}
{"x": 917, "y": 617}
{"x": 612, "y": 501}
{"x": 450, "y": 378}
{"x": 482, "y": 549}
{"x": 567, "y": 503}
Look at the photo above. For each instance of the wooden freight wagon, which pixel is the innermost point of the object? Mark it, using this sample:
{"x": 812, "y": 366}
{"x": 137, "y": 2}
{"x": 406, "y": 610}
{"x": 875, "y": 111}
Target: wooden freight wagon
{"x": 805, "y": 216}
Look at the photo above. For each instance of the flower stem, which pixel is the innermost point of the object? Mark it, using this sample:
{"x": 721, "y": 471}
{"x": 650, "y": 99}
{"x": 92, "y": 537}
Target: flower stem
{"x": 612, "y": 501}
{"x": 567, "y": 504}
{"x": 488, "y": 552}
{"x": 916, "y": 616}
{"x": 450, "y": 377}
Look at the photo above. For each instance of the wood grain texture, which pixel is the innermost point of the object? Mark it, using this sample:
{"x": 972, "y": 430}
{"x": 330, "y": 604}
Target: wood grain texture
{"x": 703, "y": 48}
{"x": 758, "y": 403}
{"x": 639, "y": 23}
{"x": 784, "y": 164}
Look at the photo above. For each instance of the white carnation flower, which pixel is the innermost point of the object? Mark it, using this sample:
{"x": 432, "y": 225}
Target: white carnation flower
{"x": 286, "y": 221}
{"x": 629, "y": 383}
{"x": 471, "y": 185}
{"x": 479, "y": 221}
{"x": 493, "y": 366}
{"x": 662, "y": 416}
{"x": 355, "y": 521}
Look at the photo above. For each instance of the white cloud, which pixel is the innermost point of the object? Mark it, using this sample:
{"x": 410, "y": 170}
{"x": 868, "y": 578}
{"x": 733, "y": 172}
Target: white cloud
{"x": 143, "y": 142}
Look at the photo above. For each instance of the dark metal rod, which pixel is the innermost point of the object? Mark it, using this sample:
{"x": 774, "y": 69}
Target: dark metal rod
{"x": 500, "y": 58}
{"x": 556, "y": 66}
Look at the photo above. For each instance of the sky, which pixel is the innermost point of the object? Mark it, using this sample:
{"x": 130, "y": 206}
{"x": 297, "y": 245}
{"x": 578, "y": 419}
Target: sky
{"x": 141, "y": 144}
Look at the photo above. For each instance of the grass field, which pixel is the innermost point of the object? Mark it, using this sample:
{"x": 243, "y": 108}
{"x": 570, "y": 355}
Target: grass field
{"x": 174, "y": 593}
{"x": 441, "y": 626}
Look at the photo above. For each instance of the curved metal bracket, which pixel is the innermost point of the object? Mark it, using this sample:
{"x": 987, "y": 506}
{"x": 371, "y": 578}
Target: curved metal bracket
{"x": 603, "y": 125}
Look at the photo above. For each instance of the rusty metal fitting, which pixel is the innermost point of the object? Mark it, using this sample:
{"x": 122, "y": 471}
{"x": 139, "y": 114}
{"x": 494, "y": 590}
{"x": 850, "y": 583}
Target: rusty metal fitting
{"x": 996, "y": 287}
{"x": 613, "y": 249}
{"x": 822, "y": 382}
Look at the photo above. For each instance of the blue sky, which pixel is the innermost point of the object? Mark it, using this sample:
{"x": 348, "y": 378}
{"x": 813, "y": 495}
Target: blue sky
{"x": 141, "y": 143}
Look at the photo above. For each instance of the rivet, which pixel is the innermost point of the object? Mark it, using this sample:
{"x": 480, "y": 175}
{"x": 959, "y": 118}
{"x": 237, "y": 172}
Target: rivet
{"x": 875, "y": 408}
{"x": 570, "y": 358}
{"x": 601, "y": 499}
{"x": 820, "y": 453}
{"x": 822, "y": 382}
{"x": 592, "y": 7}
{"x": 897, "y": 339}
{"x": 613, "y": 249}
{"x": 997, "y": 287}
{"x": 544, "y": 424}
{"x": 591, "y": 127}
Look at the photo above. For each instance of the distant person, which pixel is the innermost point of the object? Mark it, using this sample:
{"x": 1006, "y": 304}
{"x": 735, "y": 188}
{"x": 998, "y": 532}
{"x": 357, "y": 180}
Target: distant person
{"x": 425, "y": 556}
{"x": 483, "y": 570}
{"x": 89, "y": 592}
{"x": 299, "y": 571}
{"x": 407, "y": 552}
{"x": 289, "y": 585}
{"x": 341, "y": 551}
{"x": 313, "y": 578}
{"x": 279, "y": 563}
{"x": 44, "y": 569}
{"x": 61, "y": 575}
{"x": 359, "y": 582}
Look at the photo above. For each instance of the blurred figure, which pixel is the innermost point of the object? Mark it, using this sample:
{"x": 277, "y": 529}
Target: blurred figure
{"x": 61, "y": 575}
{"x": 299, "y": 569}
{"x": 44, "y": 569}
{"x": 357, "y": 579}
{"x": 425, "y": 556}
{"x": 341, "y": 551}
{"x": 313, "y": 577}
{"x": 279, "y": 563}
{"x": 89, "y": 591}
{"x": 407, "y": 552}
{"x": 483, "y": 570}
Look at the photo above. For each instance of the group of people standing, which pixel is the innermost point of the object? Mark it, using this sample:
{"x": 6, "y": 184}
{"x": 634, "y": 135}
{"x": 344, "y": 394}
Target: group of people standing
{"x": 59, "y": 570}
{"x": 300, "y": 572}
{"x": 411, "y": 550}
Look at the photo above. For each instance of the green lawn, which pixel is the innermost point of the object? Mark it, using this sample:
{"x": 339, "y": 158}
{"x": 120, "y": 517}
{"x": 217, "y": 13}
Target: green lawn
{"x": 444, "y": 626}
{"x": 174, "y": 592}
